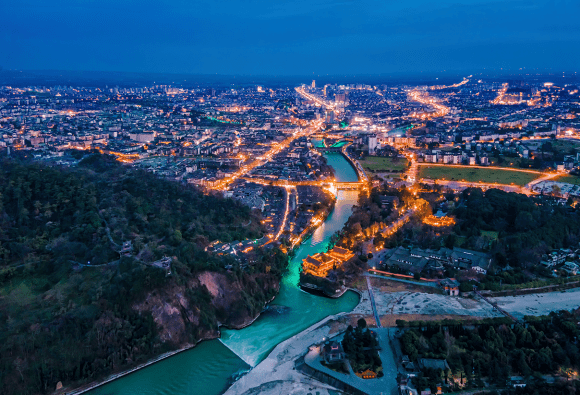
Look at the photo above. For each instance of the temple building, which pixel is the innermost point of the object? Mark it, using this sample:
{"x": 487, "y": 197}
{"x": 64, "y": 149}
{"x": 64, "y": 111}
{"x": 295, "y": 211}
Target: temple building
{"x": 320, "y": 264}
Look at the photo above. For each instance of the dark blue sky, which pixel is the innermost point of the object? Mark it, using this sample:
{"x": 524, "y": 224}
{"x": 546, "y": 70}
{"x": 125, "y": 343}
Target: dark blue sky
{"x": 290, "y": 36}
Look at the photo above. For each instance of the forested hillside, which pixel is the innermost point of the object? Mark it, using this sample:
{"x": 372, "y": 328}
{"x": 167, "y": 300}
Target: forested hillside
{"x": 73, "y": 308}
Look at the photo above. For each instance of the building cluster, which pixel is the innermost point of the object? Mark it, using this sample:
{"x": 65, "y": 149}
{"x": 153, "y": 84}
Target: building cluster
{"x": 473, "y": 127}
{"x": 251, "y": 142}
{"x": 415, "y": 260}
{"x": 298, "y": 162}
{"x": 562, "y": 262}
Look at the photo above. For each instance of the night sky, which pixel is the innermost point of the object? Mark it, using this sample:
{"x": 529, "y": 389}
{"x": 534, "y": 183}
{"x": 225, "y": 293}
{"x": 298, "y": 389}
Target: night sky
{"x": 290, "y": 37}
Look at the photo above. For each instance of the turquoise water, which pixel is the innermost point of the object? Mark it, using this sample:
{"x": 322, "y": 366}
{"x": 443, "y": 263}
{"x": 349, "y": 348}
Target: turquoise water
{"x": 343, "y": 170}
{"x": 318, "y": 143}
{"x": 298, "y": 309}
{"x": 209, "y": 367}
{"x": 205, "y": 369}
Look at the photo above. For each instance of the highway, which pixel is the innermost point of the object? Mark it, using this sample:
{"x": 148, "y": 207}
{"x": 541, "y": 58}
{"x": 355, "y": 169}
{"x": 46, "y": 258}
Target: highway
{"x": 321, "y": 102}
{"x": 424, "y": 98}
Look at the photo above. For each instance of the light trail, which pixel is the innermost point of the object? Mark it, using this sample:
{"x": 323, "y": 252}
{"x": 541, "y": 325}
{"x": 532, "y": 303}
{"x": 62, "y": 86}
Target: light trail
{"x": 322, "y": 184}
{"x": 457, "y": 85}
{"x": 423, "y": 98}
{"x": 316, "y": 99}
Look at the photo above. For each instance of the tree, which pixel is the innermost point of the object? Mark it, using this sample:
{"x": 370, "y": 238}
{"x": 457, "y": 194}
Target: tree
{"x": 361, "y": 323}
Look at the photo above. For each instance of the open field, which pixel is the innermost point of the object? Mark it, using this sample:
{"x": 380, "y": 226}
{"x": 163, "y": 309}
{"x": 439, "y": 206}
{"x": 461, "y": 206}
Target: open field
{"x": 477, "y": 175}
{"x": 539, "y": 304}
{"x": 378, "y": 164}
{"x": 569, "y": 179}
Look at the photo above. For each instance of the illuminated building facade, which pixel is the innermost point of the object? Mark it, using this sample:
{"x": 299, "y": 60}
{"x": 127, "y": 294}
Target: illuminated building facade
{"x": 320, "y": 264}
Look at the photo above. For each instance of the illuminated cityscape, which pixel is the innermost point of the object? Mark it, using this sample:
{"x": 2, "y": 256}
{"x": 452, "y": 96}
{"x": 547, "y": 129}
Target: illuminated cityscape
{"x": 305, "y": 197}
{"x": 407, "y": 206}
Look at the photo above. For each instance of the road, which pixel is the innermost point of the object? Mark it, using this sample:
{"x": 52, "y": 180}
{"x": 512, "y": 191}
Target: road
{"x": 395, "y": 226}
{"x": 545, "y": 177}
{"x": 485, "y": 167}
{"x": 459, "y": 185}
{"x": 457, "y": 85}
{"x": 526, "y": 189}
{"x": 425, "y": 99}
{"x": 276, "y": 149}
{"x": 286, "y": 183}
{"x": 372, "y": 298}
{"x": 323, "y": 103}
{"x": 413, "y": 170}
{"x": 285, "y": 218}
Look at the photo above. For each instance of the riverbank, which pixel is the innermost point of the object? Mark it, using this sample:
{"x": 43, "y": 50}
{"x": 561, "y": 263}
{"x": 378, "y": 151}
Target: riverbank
{"x": 312, "y": 226}
{"x": 539, "y": 304}
{"x": 276, "y": 374}
{"x": 250, "y": 322}
{"x": 98, "y": 383}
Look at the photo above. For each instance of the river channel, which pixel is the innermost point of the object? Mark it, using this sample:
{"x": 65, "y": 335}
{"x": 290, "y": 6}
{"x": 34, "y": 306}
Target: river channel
{"x": 209, "y": 367}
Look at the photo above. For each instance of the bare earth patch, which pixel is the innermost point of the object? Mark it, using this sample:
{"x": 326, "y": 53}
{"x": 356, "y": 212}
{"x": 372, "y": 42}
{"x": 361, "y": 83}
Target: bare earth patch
{"x": 386, "y": 285}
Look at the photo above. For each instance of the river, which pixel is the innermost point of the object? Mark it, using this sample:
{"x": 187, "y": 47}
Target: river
{"x": 208, "y": 368}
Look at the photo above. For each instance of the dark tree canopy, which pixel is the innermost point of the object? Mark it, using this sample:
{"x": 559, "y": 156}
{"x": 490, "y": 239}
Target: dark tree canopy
{"x": 64, "y": 320}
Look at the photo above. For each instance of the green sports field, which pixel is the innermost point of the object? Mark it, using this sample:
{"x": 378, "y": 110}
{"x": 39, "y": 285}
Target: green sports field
{"x": 379, "y": 164}
{"x": 449, "y": 173}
